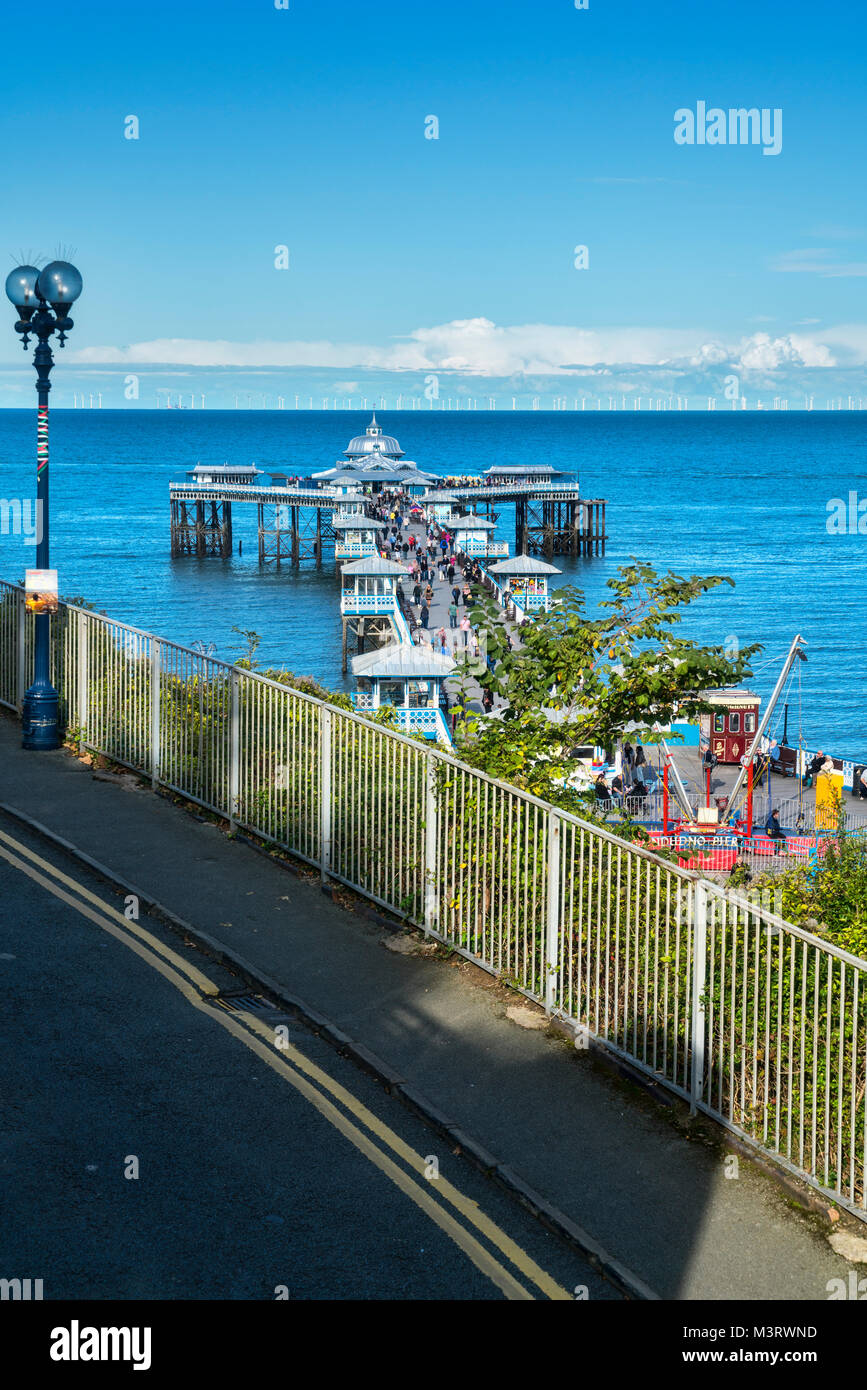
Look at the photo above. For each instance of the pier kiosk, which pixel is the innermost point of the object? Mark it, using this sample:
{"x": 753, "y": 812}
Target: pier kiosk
{"x": 525, "y": 582}
{"x": 409, "y": 680}
{"x": 474, "y": 535}
{"x": 354, "y": 536}
{"x": 369, "y": 604}
{"x": 370, "y": 585}
{"x": 442, "y": 507}
{"x": 350, "y": 504}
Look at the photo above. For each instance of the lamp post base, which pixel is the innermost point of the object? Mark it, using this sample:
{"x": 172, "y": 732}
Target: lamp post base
{"x": 40, "y": 718}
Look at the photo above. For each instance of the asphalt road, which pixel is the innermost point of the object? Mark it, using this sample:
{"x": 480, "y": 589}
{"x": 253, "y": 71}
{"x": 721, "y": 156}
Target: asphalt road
{"x": 267, "y": 1165}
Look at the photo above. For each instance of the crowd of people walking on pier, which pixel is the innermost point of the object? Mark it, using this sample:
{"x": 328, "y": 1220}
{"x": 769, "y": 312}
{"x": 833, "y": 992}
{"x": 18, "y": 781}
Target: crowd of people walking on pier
{"x": 438, "y": 577}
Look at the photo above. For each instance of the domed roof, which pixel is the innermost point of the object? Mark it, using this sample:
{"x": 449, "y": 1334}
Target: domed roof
{"x": 373, "y": 441}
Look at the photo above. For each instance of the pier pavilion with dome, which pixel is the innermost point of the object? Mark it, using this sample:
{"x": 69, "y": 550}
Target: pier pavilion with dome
{"x": 296, "y": 507}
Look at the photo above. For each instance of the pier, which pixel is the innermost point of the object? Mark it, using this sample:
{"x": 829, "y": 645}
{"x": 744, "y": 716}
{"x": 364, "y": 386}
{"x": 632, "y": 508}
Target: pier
{"x": 294, "y": 513}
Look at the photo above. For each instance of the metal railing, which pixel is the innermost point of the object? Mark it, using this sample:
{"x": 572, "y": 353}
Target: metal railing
{"x": 479, "y": 549}
{"x": 253, "y": 492}
{"x": 354, "y": 550}
{"x": 352, "y": 602}
{"x": 751, "y": 1019}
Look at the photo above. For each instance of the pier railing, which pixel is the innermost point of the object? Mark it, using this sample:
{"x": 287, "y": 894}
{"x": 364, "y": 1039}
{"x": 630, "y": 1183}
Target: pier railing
{"x": 749, "y": 1018}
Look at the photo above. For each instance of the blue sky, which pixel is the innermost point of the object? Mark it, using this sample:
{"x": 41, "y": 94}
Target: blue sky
{"x": 305, "y": 127}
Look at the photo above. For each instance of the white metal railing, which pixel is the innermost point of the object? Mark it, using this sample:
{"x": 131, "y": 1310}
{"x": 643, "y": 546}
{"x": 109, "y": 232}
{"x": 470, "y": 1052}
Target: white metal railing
{"x": 478, "y": 549}
{"x": 558, "y": 492}
{"x": 400, "y": 624}
{"x": 254, "y": 492}
{"x": 350, "y": 602}
{"x": 750, "y": 1018}
{"x": 354, "y": 550}
{"x": 530, "y": 603}
{"x": 422, "y": 720}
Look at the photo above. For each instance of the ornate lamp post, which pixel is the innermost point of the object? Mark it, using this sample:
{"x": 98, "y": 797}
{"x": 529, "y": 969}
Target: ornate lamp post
{"x": 43, "y": 299}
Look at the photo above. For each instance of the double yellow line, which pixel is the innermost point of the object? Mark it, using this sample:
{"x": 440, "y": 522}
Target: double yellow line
{"x": 460, "y": 1218}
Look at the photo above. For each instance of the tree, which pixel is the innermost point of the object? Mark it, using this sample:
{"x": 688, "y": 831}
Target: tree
{"x": 576, "y": 679}
{"x": 251, "y": 645}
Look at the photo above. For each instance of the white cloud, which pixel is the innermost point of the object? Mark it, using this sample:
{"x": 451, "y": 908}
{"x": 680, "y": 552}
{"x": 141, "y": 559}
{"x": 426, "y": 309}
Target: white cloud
{"x": 813, "y": 260}
{"x": 763, "y": 353}
{"x": 475, "y": 346}
{"x": 479, "y": 347}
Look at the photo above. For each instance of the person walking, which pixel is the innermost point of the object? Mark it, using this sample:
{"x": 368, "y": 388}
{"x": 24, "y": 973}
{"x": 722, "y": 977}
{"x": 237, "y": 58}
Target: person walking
{"x": 405, "y": 549}
{"x": 628, "y": 761}
{"x": 453, "y": 618}
{"x": 416, "y": 595}
{"x": 425, "y": 615}
{"x": 451, "y": 572}
{"x": 456, "y": 595}
{"x": 465, "y": 628}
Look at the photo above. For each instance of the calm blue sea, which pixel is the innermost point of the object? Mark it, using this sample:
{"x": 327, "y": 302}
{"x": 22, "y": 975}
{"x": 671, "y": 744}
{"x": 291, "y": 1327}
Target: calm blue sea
{"x": 742, "y": 494}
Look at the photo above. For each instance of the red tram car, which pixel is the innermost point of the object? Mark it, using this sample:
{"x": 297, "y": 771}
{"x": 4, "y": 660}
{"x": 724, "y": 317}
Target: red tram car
{"x": 732, "y": 727}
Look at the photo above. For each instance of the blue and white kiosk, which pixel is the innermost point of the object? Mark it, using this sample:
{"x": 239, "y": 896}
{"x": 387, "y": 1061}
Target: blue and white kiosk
{"x": 369, "y": 586}
{"x": 409, "y": 680}
{"x": 442, "y": 507}
{"x": 474, "y": 535}
{"x": 355, "y": 536}
{"x": 524, "y": 582}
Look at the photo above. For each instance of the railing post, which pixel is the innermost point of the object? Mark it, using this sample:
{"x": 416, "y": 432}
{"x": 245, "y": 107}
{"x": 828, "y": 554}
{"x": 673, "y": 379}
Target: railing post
{"x": 22, "y": 650}
{"x": 156, "y": 751}
{"x": 552, "y": 927}
{"x": 698, "y": 1017}
{"x": 325, "y": 732}
{"x": 234, "y": 747}
{"x": 83, "y": 698}
{"x": 431, "y": 836}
